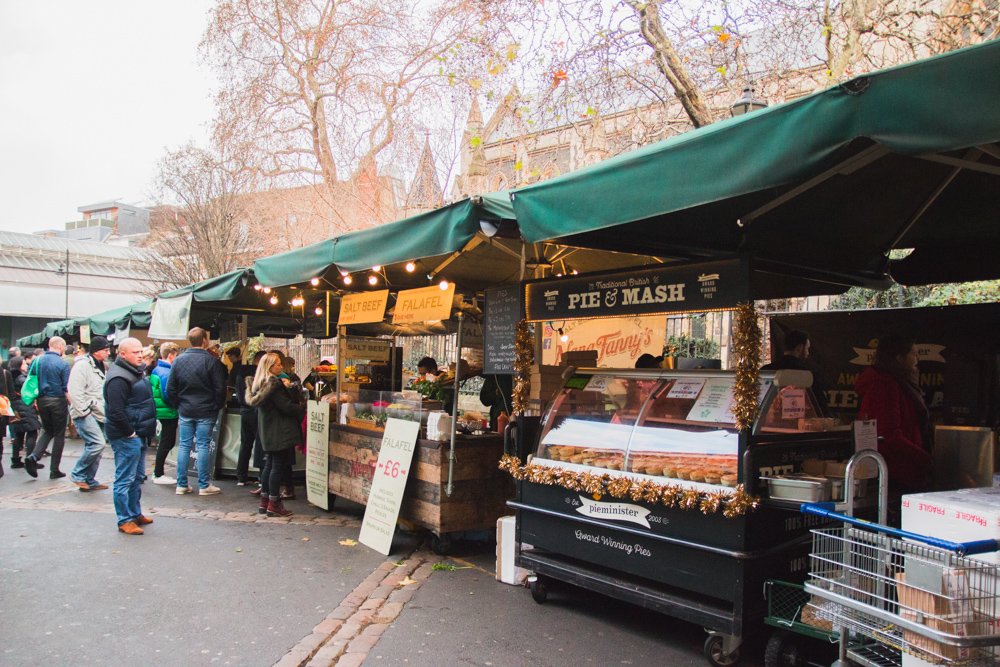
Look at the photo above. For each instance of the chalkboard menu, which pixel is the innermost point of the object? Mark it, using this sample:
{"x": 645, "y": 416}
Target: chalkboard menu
{"x": 504, "y": 309}
{"x": 318, "y": 326}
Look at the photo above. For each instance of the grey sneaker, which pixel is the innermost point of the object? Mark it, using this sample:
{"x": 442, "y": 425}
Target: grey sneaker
{"x": 209, "y": 490}
{"x": 181, "y": 490}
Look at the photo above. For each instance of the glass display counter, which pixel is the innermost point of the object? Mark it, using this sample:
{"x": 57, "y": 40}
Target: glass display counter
{"x": 672, "y": 428}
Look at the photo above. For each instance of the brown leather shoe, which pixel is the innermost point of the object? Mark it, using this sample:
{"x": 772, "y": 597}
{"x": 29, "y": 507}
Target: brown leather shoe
{"x": 256, "y": 492}
{"x": 129, "y": 528}
{"x": 275, "y": 508}
{"x": 98, "y": 487}
{"x": 143, "y": 520}
{"x": 83, "y": 486}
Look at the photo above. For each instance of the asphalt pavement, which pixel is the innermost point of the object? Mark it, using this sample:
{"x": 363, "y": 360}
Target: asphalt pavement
{"x": 465, "y": 617}
{"x": 211, "y": 583}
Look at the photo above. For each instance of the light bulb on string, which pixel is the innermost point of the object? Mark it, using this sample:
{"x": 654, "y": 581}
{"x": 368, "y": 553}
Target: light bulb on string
{"x": 372, "y": 280}
{"x": 257, "y": 287}
{"x": 443, "y": 285}
{"x": 318, "y": 311}
{"x": 347, "y": 280}
{"x": 314, "y": 282}
{"x": 563, "y": 336}
{"x": 344, "y": 273}
{"x": 274, "y": 301}
{"x": 376, "y": 268}
{"x": 410, "y": 267}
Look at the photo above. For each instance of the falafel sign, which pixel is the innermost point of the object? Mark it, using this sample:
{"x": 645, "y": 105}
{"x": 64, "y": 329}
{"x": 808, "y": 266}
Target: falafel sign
{"x": 424, "y": 304}
{"x": 666, "y": 289}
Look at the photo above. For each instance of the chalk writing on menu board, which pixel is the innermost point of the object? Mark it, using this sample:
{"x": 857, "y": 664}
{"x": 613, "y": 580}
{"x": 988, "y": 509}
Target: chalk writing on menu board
{"x": 503, "y": 312}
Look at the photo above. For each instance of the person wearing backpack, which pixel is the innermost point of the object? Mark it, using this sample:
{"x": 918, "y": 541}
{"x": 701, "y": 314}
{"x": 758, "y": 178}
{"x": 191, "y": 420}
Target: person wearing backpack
{"x": 53, "y": 407}
{"x": 24, "y": 430}
{"x": 130, "y": 419}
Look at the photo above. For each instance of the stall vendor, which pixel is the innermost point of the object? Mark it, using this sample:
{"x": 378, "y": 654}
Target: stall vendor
{"x": 796, "y": 346}
{"x": 497, "y": 394}
{"x": 427, "y": 368}
{"x": 890, "y": 393}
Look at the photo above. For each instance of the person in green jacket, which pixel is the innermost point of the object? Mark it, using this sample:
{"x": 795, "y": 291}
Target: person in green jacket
{"x": 166, "y": 413}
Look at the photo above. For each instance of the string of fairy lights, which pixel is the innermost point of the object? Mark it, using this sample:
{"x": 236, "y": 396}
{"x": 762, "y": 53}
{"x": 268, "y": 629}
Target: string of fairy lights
{"x": 376, "y": 276}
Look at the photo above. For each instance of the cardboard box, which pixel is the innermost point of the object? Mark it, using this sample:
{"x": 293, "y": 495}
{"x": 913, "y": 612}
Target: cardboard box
{"x": 951, "y": 614}
{"x": 507, "y": 572}
{"x": 957, "y": 516}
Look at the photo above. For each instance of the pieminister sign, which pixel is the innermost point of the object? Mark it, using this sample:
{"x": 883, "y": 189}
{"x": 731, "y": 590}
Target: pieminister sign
{"x": 665, "y": 289}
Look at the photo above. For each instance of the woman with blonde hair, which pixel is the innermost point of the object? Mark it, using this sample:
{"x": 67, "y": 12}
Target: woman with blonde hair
{"x": 279, "y": 412}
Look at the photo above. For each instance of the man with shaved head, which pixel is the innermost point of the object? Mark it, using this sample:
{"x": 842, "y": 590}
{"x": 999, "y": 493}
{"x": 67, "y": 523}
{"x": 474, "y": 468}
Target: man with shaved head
{"x": 130, "y": 418}
{"x": 53, "y": 407}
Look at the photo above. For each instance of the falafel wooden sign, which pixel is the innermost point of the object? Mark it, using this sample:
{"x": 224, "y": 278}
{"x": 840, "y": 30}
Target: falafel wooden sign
{"x": 391, "y": 473}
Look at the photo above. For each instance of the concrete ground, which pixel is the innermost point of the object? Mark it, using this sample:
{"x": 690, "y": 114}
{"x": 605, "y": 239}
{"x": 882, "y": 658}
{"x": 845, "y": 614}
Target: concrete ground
{"x": 213, "y": 583}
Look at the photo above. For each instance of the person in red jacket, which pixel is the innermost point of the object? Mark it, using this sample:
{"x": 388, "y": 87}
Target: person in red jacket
{"x": 890, "y": 393}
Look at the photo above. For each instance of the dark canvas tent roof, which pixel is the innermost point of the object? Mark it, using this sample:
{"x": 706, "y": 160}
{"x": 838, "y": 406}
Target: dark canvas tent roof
{"x": 822, "y": 186}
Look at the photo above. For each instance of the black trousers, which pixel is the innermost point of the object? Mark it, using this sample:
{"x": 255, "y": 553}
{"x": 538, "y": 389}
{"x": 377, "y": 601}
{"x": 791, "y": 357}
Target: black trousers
{"x": 25, "y": 440}
{"x": 249, "y": 444}
{"x": 54, "y": 413}
{"x": 273, "y": 473}
{"x": 168, "y": 438}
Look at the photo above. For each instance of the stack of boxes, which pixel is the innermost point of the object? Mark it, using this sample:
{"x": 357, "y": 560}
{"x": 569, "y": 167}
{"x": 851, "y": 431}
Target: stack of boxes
{"x": 547, "y": 380}
{"x": 965, "y": 515}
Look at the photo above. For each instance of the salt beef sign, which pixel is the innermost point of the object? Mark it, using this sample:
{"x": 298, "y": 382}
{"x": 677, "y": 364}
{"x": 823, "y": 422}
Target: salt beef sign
{"x": 666, "y": 289}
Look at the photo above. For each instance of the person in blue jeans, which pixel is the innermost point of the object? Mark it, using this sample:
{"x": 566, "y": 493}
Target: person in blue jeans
{"x": 53, "y": 407}
{"x": 86, "y": 390}
{"x": 131, "y": 419}
{"x": 197, "y": 389}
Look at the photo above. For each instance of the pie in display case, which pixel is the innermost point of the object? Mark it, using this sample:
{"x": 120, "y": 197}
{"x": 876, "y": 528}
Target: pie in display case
{"x": 668, "y": 424}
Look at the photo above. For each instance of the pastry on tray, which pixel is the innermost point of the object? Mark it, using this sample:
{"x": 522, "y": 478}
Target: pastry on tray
{"x": 729, "y": 480}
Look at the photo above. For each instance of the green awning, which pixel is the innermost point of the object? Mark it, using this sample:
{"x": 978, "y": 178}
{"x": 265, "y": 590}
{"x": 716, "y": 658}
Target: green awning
{"x": 824, "y": 185}
{"x": 221, "y": 288}
{"x": 136, "y": 316}
{"x": 102, "y": 324}
{"x": 440, "y": 232}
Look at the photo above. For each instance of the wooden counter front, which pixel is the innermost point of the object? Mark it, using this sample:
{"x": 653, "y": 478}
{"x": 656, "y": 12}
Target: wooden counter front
{"x": 480, "y": 489}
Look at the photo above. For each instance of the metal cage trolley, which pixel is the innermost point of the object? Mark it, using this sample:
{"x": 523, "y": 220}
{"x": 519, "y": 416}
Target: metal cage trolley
{"x": 899, "y": 598}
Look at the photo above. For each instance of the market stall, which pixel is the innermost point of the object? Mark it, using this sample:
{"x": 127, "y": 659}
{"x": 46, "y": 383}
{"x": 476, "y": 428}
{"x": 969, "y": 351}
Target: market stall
{"x": 814, "y": 194}
{"x": 470, "y": 245}
{"x": 454, "y": 483}
{"x": 645, "y": 484}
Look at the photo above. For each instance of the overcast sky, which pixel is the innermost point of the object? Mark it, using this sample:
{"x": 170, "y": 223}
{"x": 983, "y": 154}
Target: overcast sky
{"x": 91, "y": 95}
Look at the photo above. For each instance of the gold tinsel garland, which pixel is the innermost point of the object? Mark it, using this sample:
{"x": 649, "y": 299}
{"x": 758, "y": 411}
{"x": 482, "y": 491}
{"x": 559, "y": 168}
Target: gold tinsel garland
{"x": 732, "y": 503}
{"x": 524, "y": 343}
{"x": 746, "y": 347}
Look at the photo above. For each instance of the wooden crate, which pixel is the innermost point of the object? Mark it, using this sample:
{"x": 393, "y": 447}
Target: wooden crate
{"x": 480, "y": 489}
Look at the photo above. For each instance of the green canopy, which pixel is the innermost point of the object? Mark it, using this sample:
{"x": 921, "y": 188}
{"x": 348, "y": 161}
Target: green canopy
{"x": 440, "y": 232}
{"x": 226, "y": 299}
{"x": 823, "y": 186}
{"x": 102, "y": 324}
{"x": 221, "y": 288}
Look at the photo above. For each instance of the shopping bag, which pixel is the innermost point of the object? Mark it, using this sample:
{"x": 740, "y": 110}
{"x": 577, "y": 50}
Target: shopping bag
{"x": 6, "y": 409}
{"x": 29, "y": 392}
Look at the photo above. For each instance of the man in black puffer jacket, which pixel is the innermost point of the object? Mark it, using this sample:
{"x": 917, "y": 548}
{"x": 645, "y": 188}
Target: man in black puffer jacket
{"x": 197, "y": 389}
{"x": 130, "y": 415}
